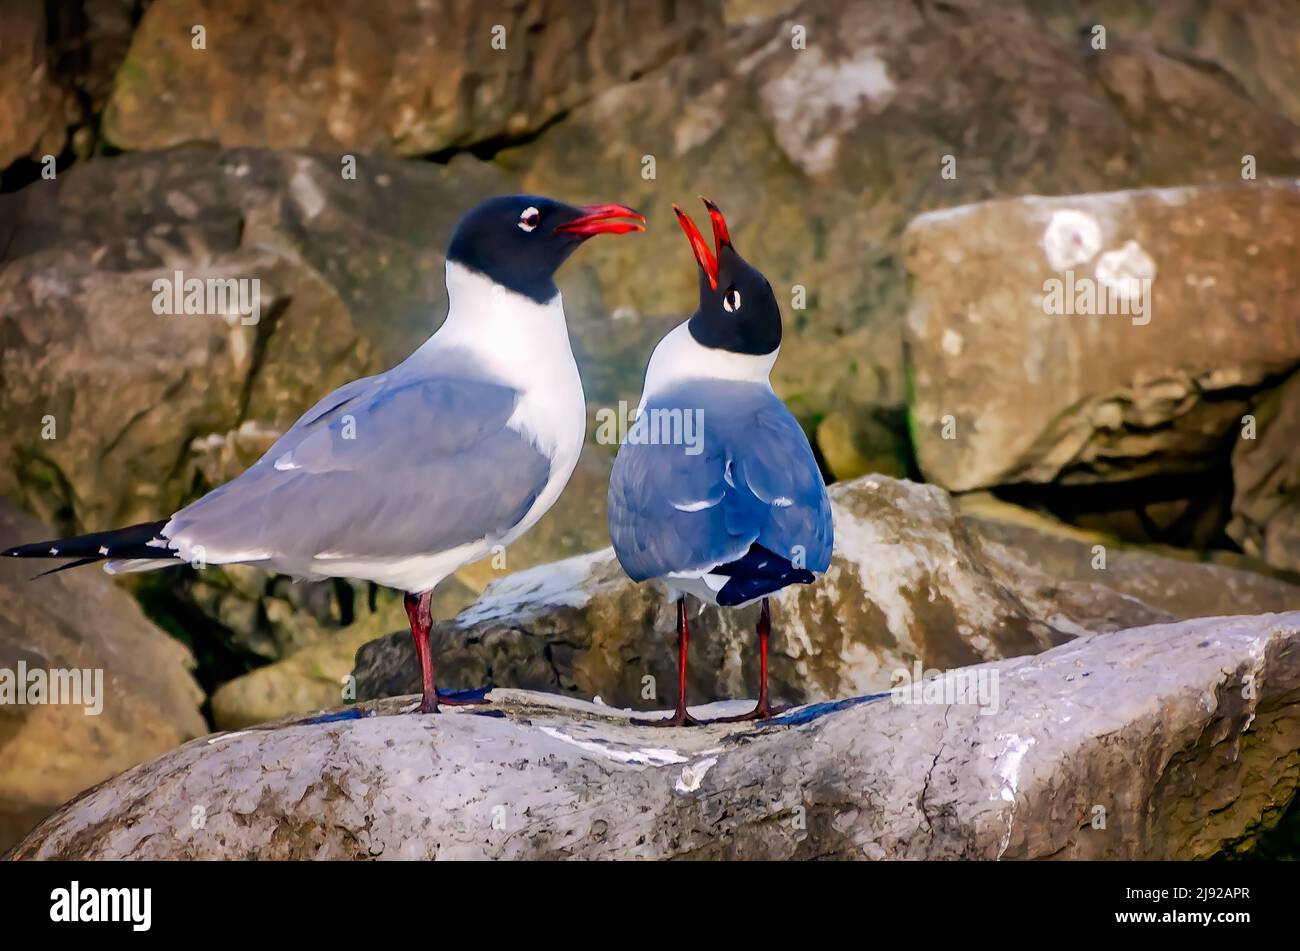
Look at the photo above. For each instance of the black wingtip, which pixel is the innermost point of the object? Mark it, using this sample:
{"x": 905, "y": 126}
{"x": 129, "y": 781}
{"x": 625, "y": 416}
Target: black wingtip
{"x": 72, "y": 564}
{"x": 48, "y": 549}
{"x": 130, "y": 542}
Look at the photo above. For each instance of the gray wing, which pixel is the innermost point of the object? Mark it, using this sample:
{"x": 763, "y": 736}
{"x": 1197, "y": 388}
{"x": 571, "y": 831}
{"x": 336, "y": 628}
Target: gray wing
{"x": 379, "y": 468}
{"x": 754, "y": 480}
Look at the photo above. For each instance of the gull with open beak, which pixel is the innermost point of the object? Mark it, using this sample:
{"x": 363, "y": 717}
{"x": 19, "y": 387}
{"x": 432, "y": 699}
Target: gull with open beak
{"x": 743, "y": 513}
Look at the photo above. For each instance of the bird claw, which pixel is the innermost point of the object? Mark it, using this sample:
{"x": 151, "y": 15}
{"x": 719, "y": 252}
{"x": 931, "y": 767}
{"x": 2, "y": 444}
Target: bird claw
{"x": 474, "y": 697}
{"x": 681, "y": 718}
{"x": 762, "y": 711}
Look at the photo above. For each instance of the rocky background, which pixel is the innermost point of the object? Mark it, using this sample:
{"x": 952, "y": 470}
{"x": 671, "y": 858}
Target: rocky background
{"x": 911, "y": 177}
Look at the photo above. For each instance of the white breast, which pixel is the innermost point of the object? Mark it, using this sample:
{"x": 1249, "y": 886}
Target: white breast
{"x": 526, "y": 345}
{"x": 680, "y": 357}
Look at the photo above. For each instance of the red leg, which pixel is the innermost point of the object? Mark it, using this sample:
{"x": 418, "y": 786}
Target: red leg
{"x": 764, "y": 632}
{"x": 762, "y": 710}
{"x": 419, "y": 613}
{"x": 680, "y": 717}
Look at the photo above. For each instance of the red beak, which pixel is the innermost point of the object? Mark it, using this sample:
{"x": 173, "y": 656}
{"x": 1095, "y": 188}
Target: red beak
{"x": 707, "y": 260}
{"x": 603, "y": 219}
{"x": 721, "y": 237}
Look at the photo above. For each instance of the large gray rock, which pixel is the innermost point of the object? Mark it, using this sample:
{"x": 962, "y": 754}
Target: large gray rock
{"x": 1170, "y": 742}
{"x": 1007, "y": 388}
{"x": 384, "y": 75}
{"x": 912, "y": 581}
{"x": 149, "y": 702}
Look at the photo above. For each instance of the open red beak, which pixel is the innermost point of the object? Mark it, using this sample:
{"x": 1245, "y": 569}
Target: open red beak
{"x": 603, "y": 219}
{"x": 721, "y": 237}
{"x": 708, "y": 260}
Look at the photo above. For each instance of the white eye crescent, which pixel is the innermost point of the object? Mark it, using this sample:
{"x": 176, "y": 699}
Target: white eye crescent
{"x": 731, "y": 301}
{"x": 529, "y": 218}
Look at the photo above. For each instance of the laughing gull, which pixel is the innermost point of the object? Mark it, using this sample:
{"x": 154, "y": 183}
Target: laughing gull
{"x": 404, "y": 477}
{"x": 742, "y": 512}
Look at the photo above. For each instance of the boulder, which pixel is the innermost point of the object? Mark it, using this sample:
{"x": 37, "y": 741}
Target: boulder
{"x": 1250, "y": 44}
{"x": 912, "y": 581}
{"x": 1180, "y": 583}
{"x": 823, "y": 131}
{"x": 1266, "y": 479}
{"x": 145, "y": 699}
{"x": 1098, "y": 338}
{"x": 57, "y": 63}
{"x": 33, "y": 122}
{"x": 387, "y": 76}
{"x": 1177, "y": 741}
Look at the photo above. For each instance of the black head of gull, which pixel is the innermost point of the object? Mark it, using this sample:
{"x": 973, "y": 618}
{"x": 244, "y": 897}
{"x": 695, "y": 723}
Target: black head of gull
{"x": 519, "y": 241}
{"x": 738, "y": 311}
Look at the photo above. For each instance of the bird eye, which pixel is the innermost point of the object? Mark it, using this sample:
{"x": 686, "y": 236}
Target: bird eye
{"x": 529, "y": 218}
{"x": 731, "y": 301}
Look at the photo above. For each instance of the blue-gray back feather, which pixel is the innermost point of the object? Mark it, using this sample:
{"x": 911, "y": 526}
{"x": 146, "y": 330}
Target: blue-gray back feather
{"x": 400, "y": 464}
{"x": 754, "y": 480}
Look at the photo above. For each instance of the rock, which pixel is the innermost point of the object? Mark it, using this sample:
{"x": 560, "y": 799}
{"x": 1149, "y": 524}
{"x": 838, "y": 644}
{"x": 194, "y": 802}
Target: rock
{"x": 79, "y": 621}
{"x": 1009, "y": 389}
{"x": 1266, "y": 480}
{"x": 853, "y": 447}
{"x": 911, "y": 581}
{"x": 1177, "y": 741}
{"x": 87, "y": 42}
{"x": 1177, "y": 582}
{"x": 57, "y": 63}
{"x": 820, "y": 156}
{"x": 1250, "y": 44}
{"x": 32, "y": 108}
{"x": 383, "y": 76}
